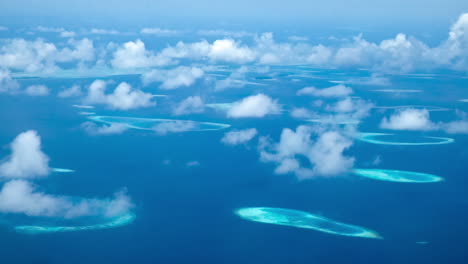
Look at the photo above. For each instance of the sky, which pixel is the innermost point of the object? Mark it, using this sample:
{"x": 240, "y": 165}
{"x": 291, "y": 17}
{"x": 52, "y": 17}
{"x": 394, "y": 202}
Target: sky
{"x": 333, "y": 11}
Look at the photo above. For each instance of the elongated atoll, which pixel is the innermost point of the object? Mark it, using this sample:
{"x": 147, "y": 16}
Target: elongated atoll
{"x": 61, "y": 170}
{"x": 86, "y": 113}
{"x": 171, "y": 125}
{"x": 113, "y": 223}
{"x": 299, "y": 219}
{"x": 397, "y": 176}
{"x": 83, "y": 106}
{"x": 373, "y": 139}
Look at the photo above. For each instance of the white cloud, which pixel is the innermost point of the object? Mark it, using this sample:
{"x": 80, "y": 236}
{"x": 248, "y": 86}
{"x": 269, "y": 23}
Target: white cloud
{"x": 62, "y": 32}
{"x": 456, "y": 127}
{"x": 230, "y": 51}
{"x": 37, "y": 90}
{"x": 133, "y": 54}
{"x": 221, "y": 50}
{"x": 419, "y": 120}
{"x": 174, "y": 126}
{"x": 354, "y": 108}
{"x": 27, "y": 159}
{"x": 325, "y": 156}
{"x": 235, "y": 79}
{"x": 334, "y": 91}
{"x": 100, "y": 31}
{"x": 409, "y": 119}
{"x": 158, "y": 31}
{"x": 239, "y": 137}
{"x": 67, "y": 34}
{"x": 302, "y": 113}
{"x": 73, "y": 91}
{"x": 49, "y": 29}
{"x": 22, "y": 197}
{"x": 399, "y": 54}
{"x": 181, "y": 76}
{"x": 258, "y": 105}
{"x": 192, "y": 104}
{"x": 93, "y": 129}
{"x": 38, "y": 55}
{"x": 7, "y": 84}
{"x": 123, "y": 97}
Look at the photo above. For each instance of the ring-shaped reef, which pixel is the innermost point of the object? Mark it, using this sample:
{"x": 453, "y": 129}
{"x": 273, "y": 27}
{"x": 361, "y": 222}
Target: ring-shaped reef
{"x": 397, "y": 176}
{"x": 373, "y": 138}
{"x": 115, "y": 222}
{"x": 151, "y": 123}
{"x": 300, "y": 219}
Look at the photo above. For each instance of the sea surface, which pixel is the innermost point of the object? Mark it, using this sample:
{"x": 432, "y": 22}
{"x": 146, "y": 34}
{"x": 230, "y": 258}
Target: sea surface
{"x": 187, "y": 186}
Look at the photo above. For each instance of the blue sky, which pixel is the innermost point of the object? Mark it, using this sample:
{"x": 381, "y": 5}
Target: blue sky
{"x": 331, "y": 11}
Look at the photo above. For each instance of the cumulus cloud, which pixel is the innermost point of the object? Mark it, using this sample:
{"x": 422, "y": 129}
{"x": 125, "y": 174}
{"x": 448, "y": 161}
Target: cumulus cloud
{"x": 258, "y": 105}
{"x": 456, "y": 127}
{"x": 230, "y": 51}
{"x": 221, "y": 50}
{"x": 73, "y": 91}
{"x": 7, "y": 84}
{"x": 123, "y": 97}
{"x": 62, "y": 32}
{"x": 334, "y": 91}
{"x": 191, "y": 105}
{"x": 38, "y": 55}
{"x": 302, "y": 113}
{"x": 409, "y": 119}
{"x": 419, "y": 120}
{"x": 133, "y": 54}
{"x": 93, "y": 129}
{"x": 348, "y": 110}
{"x": 37, "y": 90}
{"x": 34, "y": 56}
{"x": 351, "y": 105}
{"x": 181, "y": 76}
{"x": 27, "y": 159}
{"x": 235, "y": 80}
{"x": 323, "y": 155}
{"x": 401, "y": 53}
{"x": 22, "y": 197}
{"x": 174, "y": 126}
{"x": 239, "y": 137}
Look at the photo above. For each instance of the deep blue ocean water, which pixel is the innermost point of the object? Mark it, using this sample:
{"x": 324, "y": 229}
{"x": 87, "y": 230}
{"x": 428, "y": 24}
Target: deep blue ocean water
{"x": 186, "y": 214}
